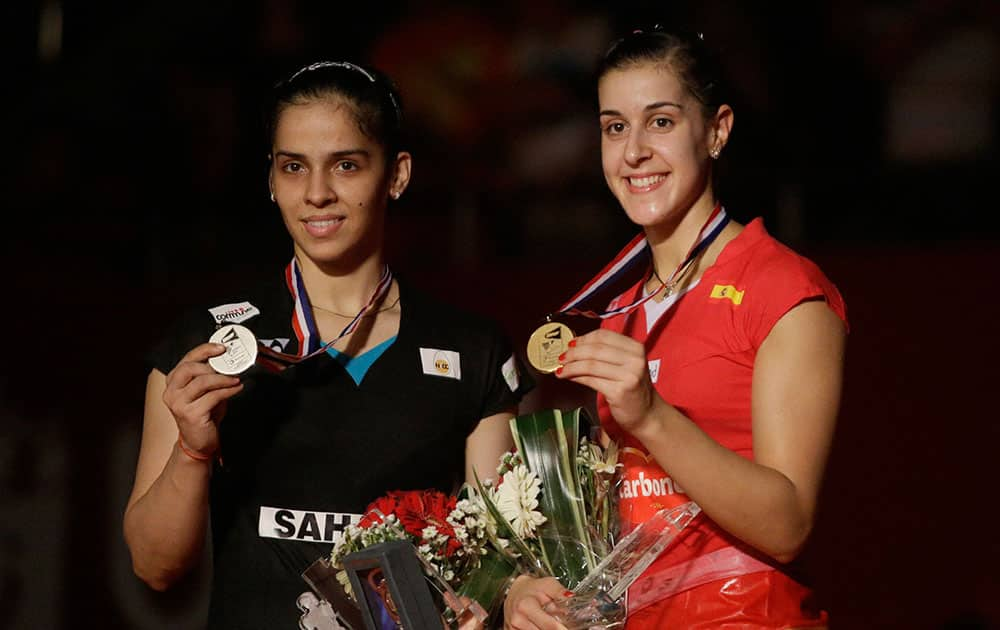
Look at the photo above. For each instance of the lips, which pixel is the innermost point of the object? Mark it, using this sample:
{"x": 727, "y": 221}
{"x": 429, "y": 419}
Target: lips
{"x": 323, "y": 225}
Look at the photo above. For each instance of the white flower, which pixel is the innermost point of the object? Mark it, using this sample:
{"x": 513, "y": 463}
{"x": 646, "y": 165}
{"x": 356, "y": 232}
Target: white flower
{"x": 517, "y": 498}
{"x": 605, "y": 467}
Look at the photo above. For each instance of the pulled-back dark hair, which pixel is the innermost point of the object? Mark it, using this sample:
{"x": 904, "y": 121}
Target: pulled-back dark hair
{"x": 370, "y": 95}
{"x": 695, "y": 64}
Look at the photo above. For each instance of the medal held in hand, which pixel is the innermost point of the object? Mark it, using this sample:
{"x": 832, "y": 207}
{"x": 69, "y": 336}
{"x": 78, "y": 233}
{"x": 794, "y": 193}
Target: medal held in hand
{"x": 552, "y": 338}
{"x": 545, "y": 345}
{"x": 241, "y": 350}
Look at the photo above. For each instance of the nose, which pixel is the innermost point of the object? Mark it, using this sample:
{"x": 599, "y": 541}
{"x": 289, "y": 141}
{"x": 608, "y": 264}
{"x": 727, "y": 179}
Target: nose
{"x": 319, "y": 192}
{"x": 636, "y": 149}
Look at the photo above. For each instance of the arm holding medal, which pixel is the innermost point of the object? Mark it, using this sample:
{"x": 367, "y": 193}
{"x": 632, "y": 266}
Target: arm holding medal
{"x": 769, "y": 502}
{"x": 166, "y": 518}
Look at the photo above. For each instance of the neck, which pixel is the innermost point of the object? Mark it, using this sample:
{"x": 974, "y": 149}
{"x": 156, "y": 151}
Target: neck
{"x": 341, "y": 289}
{"x": 670, "y": 242}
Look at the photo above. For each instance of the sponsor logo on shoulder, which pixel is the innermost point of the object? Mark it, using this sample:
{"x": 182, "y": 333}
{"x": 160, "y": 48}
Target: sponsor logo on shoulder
{"x": 444, "y": 363}
{"x": 509, "y": 371}
{"x": 234, "y": 313}
{"x": 304, "y": 525}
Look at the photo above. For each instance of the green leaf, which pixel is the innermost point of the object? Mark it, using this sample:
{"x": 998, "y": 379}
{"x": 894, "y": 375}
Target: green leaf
{"x": 548, "y": 442}
{"x": 488, "y": 582}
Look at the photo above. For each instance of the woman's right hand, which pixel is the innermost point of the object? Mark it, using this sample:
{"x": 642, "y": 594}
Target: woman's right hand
{"x": 196, "y": 395}
{"x": 523, "y": 609}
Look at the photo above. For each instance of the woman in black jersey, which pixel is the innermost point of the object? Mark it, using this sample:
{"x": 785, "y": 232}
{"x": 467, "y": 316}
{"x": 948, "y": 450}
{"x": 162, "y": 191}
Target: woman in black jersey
{"x": 413, "y": 397}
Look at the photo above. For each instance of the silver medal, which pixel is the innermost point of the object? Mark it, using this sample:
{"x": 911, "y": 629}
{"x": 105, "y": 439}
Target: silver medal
{"x": 241, "y": 349}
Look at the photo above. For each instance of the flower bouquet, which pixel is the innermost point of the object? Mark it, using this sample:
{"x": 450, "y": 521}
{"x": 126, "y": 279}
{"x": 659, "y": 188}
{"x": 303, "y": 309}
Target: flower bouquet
{"x": 418, "y": 528}
{"x": 551, "y": 512}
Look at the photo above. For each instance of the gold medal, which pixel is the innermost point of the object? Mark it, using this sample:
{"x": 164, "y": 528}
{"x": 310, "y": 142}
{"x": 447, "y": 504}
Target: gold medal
{"x": 545, "y": 345}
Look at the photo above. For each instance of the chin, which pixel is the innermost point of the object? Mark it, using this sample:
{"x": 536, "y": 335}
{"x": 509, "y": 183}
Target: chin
{"x": 646, "y": 217}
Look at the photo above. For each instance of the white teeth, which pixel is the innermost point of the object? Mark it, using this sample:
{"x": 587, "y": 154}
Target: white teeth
{"x": 323, "y": 224}
{"x": 643, "y": 182}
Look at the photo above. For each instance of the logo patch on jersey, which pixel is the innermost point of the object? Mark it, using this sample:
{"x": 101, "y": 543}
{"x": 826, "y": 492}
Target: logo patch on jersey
{"x": 509, "y": 371}
{"x": 444, "y": 363}
{"x": 654, "y": 370}
{"x": 278, "y": 343}
{"x": 234, "y": 313}
{"x": 284, "y": 524}
{"x": 727, "y": 292}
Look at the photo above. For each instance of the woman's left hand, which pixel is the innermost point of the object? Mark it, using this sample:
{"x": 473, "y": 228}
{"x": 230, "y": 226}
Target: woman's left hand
{"x": 615, "y": 366}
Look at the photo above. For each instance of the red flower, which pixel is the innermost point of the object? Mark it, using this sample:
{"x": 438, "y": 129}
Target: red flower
{"x": 386, "y": 505}
{"x": 419, "y": 509}
{"x": 416, "y": 510}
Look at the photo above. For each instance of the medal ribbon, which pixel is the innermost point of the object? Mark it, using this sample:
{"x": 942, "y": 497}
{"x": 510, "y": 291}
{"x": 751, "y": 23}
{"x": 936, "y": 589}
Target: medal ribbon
{"x": 633, "y": 253}
{"x": 305, "y": 326}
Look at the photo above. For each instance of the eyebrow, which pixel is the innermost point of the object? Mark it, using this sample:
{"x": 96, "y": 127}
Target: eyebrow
{"x": 334, "y": 154}
{"x": 651, "y": 106}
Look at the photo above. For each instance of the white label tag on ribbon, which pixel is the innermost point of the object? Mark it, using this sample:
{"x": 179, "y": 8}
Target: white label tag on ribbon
{"x": 234, "y": 313}
{"x": 303, "y": 525}
{"x": 444, "y": 363}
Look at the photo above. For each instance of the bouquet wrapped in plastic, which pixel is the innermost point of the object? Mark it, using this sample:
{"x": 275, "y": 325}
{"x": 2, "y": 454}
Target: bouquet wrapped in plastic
{"x": 551, "y": 512}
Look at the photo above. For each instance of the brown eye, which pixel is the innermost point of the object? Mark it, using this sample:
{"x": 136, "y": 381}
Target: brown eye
{"x": 614, "y": 128}
{"x": 663, "y": 122}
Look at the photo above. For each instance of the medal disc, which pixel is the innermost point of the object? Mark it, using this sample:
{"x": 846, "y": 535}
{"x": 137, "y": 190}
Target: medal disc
{"x": 241, "y": 350}
{"x": 545, "y": 345}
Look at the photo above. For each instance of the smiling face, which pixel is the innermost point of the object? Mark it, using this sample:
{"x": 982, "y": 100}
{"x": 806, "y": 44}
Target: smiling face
{"x": 656, "y": 144}
{"x": 332, "y": 182}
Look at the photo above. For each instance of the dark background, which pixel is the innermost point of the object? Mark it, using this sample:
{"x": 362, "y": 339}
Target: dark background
{"x": 865, "y": 135}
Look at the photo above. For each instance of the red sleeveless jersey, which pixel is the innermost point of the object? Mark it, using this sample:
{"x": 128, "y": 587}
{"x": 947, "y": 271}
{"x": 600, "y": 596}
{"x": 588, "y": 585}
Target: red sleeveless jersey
{"x": 701, "y": 348}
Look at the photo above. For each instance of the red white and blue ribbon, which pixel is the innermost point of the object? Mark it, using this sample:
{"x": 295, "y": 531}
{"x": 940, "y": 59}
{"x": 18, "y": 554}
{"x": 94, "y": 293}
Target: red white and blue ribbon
{"x": 635, "y": 252}
{"x": 304, "y": 325}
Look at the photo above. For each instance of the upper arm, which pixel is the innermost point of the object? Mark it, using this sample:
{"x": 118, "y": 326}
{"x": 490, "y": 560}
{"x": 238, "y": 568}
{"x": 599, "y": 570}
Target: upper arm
{"x": 796, "y": 396}
{"x": 488, "y": 441}
{"x": 159, "y": 433}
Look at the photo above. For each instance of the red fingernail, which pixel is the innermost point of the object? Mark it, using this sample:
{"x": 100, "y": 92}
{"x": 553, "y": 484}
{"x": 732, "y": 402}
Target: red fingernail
{"x": 559, "y": 370}
{"x": 572, "y": 342}
{"x": 562, "y": 357}
{"x": 568, "y": 593}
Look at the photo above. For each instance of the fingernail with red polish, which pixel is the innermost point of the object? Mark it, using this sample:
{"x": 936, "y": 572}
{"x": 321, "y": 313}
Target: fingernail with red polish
{"x": 559, "y": 370}
{"x": 572, "y": 342}
{"x": 568, "y": 593}
{"x": 562, "y": 357}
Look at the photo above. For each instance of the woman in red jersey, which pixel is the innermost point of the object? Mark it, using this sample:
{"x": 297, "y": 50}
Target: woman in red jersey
{"x": 724, "y": 386}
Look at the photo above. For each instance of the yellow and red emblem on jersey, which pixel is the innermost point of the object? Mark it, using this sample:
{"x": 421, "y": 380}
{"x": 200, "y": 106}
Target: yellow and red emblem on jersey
{"x": 727, "y": 292}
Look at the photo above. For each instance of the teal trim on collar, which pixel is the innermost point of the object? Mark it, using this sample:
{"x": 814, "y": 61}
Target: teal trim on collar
{"x": 358, "y": 366}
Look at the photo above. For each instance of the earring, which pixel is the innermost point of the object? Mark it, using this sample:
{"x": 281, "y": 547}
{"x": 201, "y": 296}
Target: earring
{"x": 272, "y": 196}
{"x": 394, "y": 195}
{"x": 714, "y": 153}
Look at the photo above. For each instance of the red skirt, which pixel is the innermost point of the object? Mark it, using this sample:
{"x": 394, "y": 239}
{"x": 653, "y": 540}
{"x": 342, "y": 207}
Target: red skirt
{"x": 767, "y": 599}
